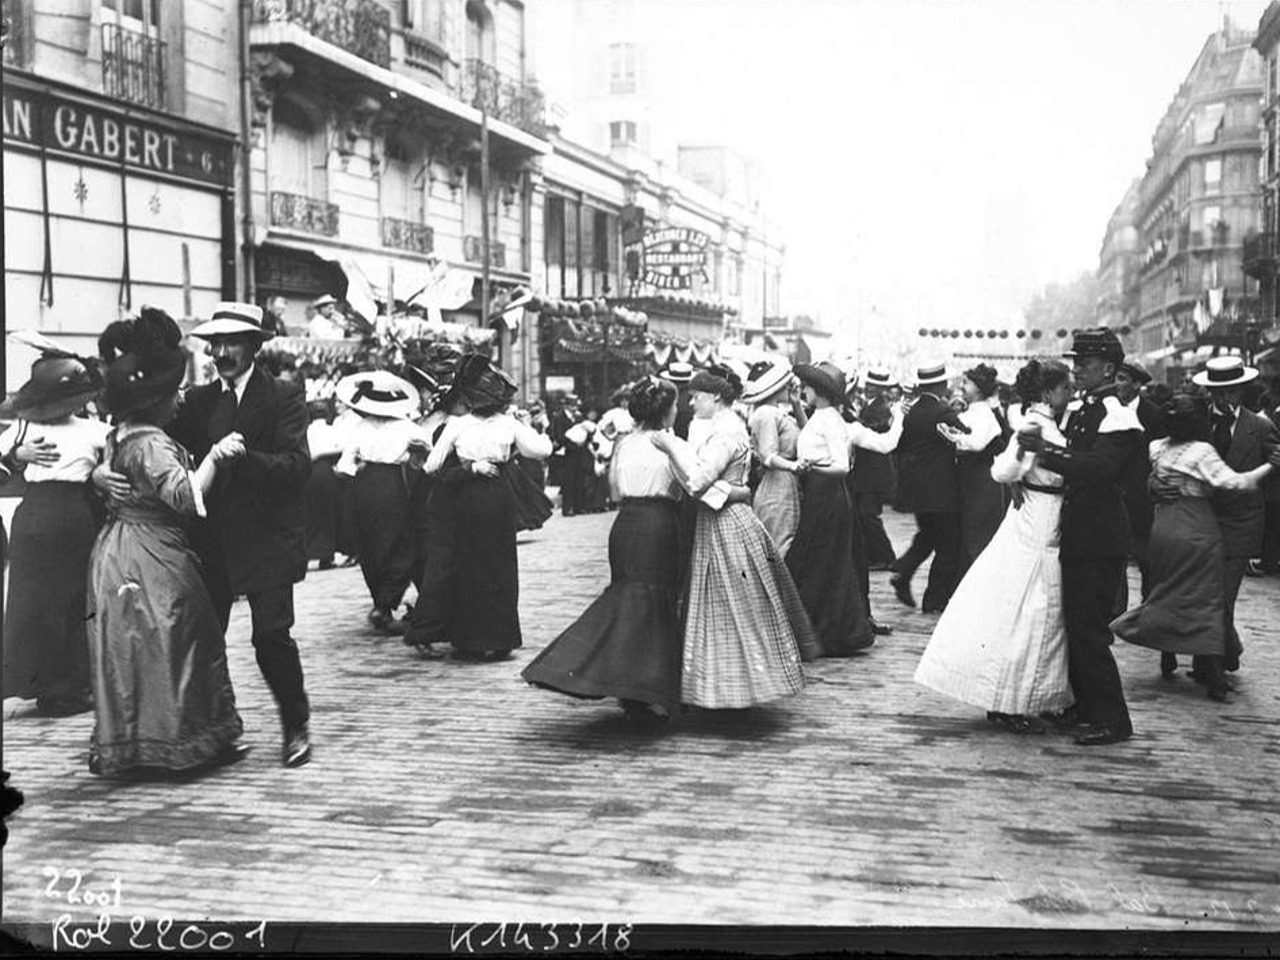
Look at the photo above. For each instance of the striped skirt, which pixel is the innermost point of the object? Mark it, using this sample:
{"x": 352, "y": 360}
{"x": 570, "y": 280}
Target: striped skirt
{"x": 745, "y": 625}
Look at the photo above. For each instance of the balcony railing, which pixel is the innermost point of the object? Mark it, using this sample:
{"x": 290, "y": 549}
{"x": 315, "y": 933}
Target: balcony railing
{"x": 424, "y": 53}
{"x": 1260, "y": 255}
{"x": 407, "y": 235}
{"x": 362, "y": 27}
{"x": 133, "y": 66}
{"x": 473, "y": 252}
{"x": 504, "y": 98}
{"x": 304, "y": 213}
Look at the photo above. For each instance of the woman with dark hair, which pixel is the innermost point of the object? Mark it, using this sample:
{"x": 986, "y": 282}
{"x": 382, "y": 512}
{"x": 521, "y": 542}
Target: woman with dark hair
{"x": 1184, "y": 612}
{"x": 745, "y": 625}
{"x": 471, "y": 584}
{"x": 627, "y": 643}
{"x": 54, "y": 527}
{"x": 822, "y": 556}
{"x": 162, "y": 694}
{"x": 982, "y": 500}
{"x": 1001, "y": 644}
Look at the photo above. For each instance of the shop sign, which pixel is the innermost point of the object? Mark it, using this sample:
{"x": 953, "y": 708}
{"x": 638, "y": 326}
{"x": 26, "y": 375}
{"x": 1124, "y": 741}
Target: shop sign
{"x": 42, "y": 118}
{"x": 674, "y": 256}
{"x": 561, "y": 384}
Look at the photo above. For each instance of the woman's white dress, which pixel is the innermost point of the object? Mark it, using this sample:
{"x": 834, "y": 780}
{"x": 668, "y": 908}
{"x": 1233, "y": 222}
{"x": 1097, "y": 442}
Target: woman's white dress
{"x": 1001, "y": 645}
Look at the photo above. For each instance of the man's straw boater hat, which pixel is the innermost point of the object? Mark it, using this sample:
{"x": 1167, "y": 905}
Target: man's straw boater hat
{"x": 1224, "y": 372}
{"x": 231, "y": 318}
{"x": 931, "y": 373}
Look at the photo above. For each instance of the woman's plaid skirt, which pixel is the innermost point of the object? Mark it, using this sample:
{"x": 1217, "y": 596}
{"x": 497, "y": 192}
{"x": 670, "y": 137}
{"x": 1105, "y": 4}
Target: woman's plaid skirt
{"x": 745, "y": 625}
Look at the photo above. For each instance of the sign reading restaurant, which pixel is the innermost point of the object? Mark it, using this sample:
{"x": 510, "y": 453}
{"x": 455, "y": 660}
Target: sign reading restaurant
{"x": 44, "y": 119}
{"x": 673, "y": 256}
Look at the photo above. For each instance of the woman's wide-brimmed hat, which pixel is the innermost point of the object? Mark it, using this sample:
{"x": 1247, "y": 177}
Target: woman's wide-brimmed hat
{"x": 826, "y": 378}
{"x": 230, "y": 318}
{"x": 931, "y": 373}
{"x": 765, "y": 378}
{"x": 145, "y": 361}
{"x": 1135, "y": 371}
{"x": 59, "y": 386}
{"x": 481, "y": 383}
{"x": 378, "y": 393}
{"x": 1224, "y": 372}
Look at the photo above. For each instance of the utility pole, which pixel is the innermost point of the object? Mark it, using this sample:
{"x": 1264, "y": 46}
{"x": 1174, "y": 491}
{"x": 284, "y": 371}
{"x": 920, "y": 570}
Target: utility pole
{"x": 482, "y": 86}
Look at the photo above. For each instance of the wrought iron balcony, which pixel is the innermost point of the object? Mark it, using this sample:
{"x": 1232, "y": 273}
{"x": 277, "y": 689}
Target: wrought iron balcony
{"x": 304, "y": 213}
{"x": 362, "y": 27}
{"x": 1260, "y": 255}
{"x": 133, "y": 66}
{"x": 504, "y": 98}
{"x": 473, "y": 252}
{"x": 407, "y": 235}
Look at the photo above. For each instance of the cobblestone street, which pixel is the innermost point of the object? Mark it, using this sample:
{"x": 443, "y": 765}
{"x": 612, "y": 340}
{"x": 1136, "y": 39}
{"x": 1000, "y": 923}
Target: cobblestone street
{"x": 443, "y": 791}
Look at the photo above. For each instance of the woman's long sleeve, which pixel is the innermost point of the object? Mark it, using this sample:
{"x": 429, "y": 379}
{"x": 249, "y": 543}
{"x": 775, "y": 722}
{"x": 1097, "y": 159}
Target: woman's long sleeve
{"x": 698, "y": 470}
{"x": 530, "y": 443}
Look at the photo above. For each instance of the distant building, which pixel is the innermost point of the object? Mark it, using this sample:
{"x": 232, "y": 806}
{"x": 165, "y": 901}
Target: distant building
{"x": 1262, "y": 251}
{"x": 1118, "y": 268}
{"x": 1197, "y": 202}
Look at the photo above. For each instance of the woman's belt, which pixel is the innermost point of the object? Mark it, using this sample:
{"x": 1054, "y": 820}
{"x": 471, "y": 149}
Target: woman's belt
{"x": 1041, "y": 487}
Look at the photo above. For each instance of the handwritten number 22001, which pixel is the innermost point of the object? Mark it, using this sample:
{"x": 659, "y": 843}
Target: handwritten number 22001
{"x": 103, "y": 898}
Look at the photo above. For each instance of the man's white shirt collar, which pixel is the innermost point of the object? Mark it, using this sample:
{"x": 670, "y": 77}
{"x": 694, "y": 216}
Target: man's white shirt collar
{"x": 239, "y": 384}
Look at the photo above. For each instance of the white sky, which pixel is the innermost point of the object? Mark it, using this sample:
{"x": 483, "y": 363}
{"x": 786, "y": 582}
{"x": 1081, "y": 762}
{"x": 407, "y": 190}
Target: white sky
{"x": 934, "y": 162}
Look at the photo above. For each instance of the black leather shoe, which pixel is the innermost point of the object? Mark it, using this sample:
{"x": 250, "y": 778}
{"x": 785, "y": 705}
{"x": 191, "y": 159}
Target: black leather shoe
{"x": 1168, "y": 665}
{"x": 902, "y": 589}
{"x": 880, "y": 629}
{"x": 231, "y": 753}
{"x": 297, "y": 748}
{"x": 1098, "y": 736}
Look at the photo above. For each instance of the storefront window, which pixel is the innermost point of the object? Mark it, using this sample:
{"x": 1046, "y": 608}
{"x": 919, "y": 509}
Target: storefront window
{"x": 553, "y": 239}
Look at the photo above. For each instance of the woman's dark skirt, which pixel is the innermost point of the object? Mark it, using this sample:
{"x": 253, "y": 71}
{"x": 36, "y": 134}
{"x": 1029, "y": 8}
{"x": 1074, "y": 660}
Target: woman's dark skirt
{"x": 627, "y": 644}
{"x": 470, "y": 589}
{"x": 533, "y": 506}
{"x": 982, "y": 506}
{"x": 1184, "y": 611}
{"x": 384, "y": 534}
{"x": 46, "y": 653}
{"x": 320, "y": 502}
{"x": 821, "y": 563}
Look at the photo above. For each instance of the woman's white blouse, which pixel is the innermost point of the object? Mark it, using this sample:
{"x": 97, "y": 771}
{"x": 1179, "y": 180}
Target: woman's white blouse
{"x": 379, "y": 440}
{"x": 824, "y": 440}
{"x": 80, "y": 442}
{"x": 492, "y": 439}
{"x": 639, "y": 469}
{"x": 981, "y": 420}
{"x": 1010, "y": 466}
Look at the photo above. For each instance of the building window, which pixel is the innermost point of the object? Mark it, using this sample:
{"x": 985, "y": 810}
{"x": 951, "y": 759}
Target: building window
{"x": 134, "y": 58}
{"x": 480, "y": 40}
{"x": 622, "y": 68}
{"x": 622, "y": 133}
{"x": 426, "y": 17}
{"x": 1212, "y": 176}
{"x": 553, "y": 240}
{"x": 298, "y": 158}
{"x": 401, "y": 184}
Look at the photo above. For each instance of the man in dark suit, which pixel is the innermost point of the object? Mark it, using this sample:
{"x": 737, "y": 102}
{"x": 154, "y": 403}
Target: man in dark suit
{"x": 680, "y": 373}
{"x": 254, "y": 540}
{"x": 1245, "y": 440}
{"x": 873, "y": 476}
{"x": 929, "y": 488}
{"x": 1130, "y": 377}
{"x": 576, "y": 459}
{"x": 1101, "y": 437}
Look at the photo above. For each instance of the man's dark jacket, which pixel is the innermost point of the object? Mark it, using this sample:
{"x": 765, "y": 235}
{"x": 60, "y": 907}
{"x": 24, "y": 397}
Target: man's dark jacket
{"x": 1102, "y": 437}
{"x": 255, "y": 523}
{"x": 927, "y": 479}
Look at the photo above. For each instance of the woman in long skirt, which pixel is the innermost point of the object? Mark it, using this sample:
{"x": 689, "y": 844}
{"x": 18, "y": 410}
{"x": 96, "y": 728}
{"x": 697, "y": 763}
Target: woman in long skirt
{"x": 1001, "y": 644}
{"x": 982, "y": 500}
{"x": 774, "y": 426}
{"x": 383, "y": 452}
{"x": 627, "y": 644}
{"x": 744, "y": 624}
{"x": 1184, "y": 612}
{"x": 471, "y": 586}
{"x": 162, "y": 694}
{"x": 821, "y": 560}
{"x": 45, "y": 651}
